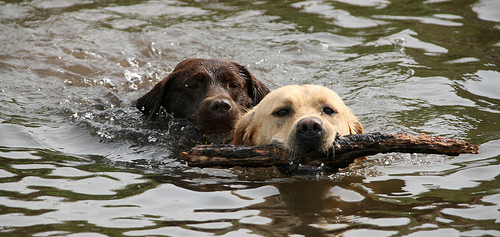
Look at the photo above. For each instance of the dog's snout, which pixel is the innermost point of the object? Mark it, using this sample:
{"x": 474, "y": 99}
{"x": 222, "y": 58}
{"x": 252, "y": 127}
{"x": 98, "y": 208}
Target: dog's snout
{"x": 220, "y": 106}
{"x": 310, "y": 128}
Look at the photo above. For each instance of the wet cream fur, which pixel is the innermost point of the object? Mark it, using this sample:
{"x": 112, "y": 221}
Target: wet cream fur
{"x": 261, "y": 126}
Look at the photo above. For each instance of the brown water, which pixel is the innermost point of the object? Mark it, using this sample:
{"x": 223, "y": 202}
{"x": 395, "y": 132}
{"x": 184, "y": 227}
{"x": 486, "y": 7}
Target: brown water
{"x": 77, "y": 159}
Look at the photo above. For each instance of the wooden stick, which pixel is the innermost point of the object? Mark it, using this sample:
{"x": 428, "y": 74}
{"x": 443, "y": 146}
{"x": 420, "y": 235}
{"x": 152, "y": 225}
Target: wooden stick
{"x": 346, "y": 150}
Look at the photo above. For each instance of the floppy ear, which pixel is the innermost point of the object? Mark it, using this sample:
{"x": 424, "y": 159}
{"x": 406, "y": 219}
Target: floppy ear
{"x": 242, "y": 130}
{"x": 149, "y": 104}
{"x": 256, "y": 89}
{"x": 355, "y": 127}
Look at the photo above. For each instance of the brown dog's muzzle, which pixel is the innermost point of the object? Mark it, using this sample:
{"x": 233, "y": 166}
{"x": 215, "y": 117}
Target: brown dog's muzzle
{"x": 217, "y": 115}
{"x": 220, "y": 107}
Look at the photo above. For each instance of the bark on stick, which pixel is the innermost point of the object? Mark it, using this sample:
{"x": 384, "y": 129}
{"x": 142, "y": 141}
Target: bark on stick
{"x": 346, "y": 150}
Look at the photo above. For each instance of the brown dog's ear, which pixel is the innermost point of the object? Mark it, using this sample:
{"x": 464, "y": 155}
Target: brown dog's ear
{"x": 256, "y": 89}
{"x": 355, "y": 127}
{"x": 149, "y": 104}
{"x": 241, "y": 136}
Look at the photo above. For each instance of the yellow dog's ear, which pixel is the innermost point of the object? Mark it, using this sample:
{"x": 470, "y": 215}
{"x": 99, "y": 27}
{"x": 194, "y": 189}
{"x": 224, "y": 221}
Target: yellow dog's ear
{"x": 355, "y": 127}
{"x": 243, "y": 130}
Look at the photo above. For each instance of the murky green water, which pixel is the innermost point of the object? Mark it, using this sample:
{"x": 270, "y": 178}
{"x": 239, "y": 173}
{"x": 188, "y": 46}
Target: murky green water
{"x": 77, "y": 159}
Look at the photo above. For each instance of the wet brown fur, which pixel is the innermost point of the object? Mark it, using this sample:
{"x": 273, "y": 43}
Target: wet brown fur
{"x": 211, "y": 93}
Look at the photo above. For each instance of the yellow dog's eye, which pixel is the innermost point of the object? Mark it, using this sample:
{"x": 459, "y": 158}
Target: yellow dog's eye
{"x": 282, "y": 112}
{"x": 328, "y": 111}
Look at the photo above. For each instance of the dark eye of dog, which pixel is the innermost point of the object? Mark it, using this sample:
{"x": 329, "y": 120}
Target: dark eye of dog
{"x": 233, "y": 85}
{"x": 193, "y": 85}
{"x": 282, "y": 112}
{"x": 328, "y": 111}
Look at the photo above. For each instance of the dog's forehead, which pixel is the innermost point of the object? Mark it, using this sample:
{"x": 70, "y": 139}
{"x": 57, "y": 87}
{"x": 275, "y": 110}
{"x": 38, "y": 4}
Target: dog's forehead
{"x": 221, "y": 69}
{"x": 213, "y": 65}
{"x": 211, "y": 70}
{"x": 304, "y": 96}
{"x": 280, "y": 97}
{"x": 325, "y": 96}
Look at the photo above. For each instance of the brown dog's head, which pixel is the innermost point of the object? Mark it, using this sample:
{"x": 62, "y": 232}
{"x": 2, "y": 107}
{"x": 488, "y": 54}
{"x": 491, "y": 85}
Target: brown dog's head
{"x": 211, "y": 93}
{"x": 299, "y": 119}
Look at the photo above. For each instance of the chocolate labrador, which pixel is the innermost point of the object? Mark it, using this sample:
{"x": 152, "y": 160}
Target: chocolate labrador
{"x": 211, "y": 93}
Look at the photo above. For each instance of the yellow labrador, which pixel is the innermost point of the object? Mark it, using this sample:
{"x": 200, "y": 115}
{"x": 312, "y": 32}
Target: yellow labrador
{"x": 299, "y": 119}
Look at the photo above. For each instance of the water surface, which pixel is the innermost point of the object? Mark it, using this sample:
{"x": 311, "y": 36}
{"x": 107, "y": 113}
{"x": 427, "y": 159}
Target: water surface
{"x": 76, "y": 157}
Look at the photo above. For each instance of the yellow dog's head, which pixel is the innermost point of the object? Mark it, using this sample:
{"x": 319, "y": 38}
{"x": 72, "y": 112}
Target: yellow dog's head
{"x": 299, "y": 119}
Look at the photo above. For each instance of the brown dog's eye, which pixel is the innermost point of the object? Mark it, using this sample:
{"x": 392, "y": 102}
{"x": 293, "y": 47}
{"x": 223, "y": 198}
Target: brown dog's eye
{"x": 281, "y": 112}
{"x": 328, "y": 111}
{"x": 233, "y": 85}
{"x": 193, "y": 85}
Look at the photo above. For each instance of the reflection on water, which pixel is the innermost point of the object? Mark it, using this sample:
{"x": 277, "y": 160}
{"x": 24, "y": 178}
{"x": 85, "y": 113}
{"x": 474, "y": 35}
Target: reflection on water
{"x": 76, "y": 157}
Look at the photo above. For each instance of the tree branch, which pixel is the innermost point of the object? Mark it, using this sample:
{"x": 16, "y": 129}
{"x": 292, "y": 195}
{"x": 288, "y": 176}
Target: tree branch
{"x": 346, "y": 150}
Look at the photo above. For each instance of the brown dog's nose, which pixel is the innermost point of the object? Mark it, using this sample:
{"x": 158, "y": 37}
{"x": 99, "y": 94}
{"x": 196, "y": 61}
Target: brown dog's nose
{"x": 220, "y": 107}
{"x": 309, "y": 128}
